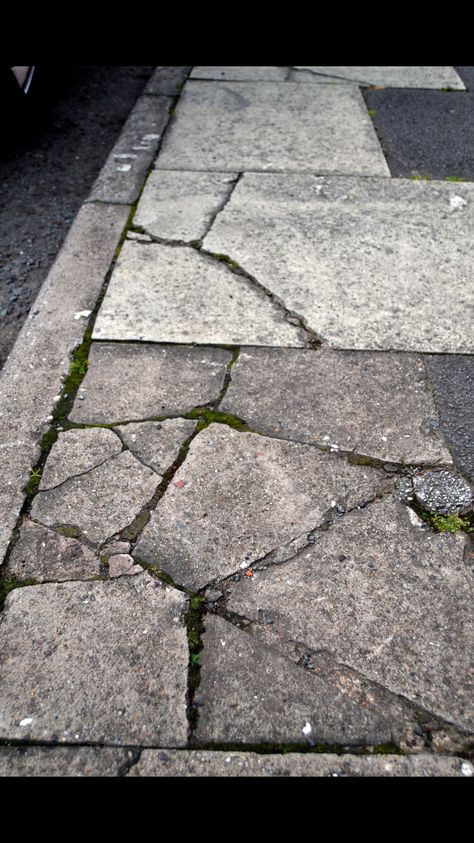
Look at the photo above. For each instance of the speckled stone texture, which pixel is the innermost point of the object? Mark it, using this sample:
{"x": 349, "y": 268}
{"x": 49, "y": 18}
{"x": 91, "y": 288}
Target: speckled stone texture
{"x": 384, "y": 76}
{"x": 41, "y": 554}
{"x": 77, "y": 452}
{"x": 156, "y": 444}
{"x": 64, "y": 761}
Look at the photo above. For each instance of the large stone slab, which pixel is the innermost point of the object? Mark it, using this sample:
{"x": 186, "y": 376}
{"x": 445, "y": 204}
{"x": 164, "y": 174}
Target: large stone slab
{"x": 43, "y": 555}
{"x": 156, "y": 444}
{"x": 101, "y": 502}
{"x": 382, "y": 597}
{"x": 102, "y": 662}
{"x": 130, "y": 382}
{"x": 370, "y": 264}
{"x": 241, "y": 73}
{"x": 378, "y": 405}
{"x": 77, "y": 452}
{"x": 238, "y": 496}
{"x": 384, "y": 76}
{"x": 161, "y": 293}
{"x": 271, "y": 126}
{"x": 63, "y": 761}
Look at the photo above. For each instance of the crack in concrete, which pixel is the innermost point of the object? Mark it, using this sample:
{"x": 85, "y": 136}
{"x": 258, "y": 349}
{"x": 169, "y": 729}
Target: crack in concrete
{"x": 233, "y": 185}
{"x": 319, "y": 75}
{"x": 84, "y": 473}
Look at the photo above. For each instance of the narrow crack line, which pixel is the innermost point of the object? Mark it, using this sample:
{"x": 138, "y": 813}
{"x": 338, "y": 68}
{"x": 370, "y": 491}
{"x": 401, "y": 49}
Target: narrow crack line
{"x": 138, "y": 459}
{"x": 227, "y": 377}
{"x": 133, "y": 759}
{"x": 79, "y": 474}
{"x": 74, "y": 532}
{"x": 233, "y": 184}
{"x": 319, "y": 75}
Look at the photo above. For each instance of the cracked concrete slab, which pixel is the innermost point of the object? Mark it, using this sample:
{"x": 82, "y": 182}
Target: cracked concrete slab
{"x": 378, "y": 405}
{"x": 77, "y": 452}
{"x": 382, "y": 264}
{"x": 64, "y": 761}
{"x": 129, "y": 382}
{"x": 271, "y": 126}
{"x": 101, "y": 662}
{"x": 239, "y": 496}
{"x": 384, "y": 76}
{"x": 241, "y": 73}
{"x": 161, "y": 293}
{"x": 383, "y": 598}
{"x": 156, "y": 444}
{"x": 101, "y": 502}
{"x": 43, "y": 555}
{"x": 181, "y": 205}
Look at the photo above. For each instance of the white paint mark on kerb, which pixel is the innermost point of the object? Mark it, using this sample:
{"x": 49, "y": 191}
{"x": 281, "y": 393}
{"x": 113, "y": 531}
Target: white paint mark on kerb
{"x": 26, "y": 721}
{"x": 124, "y": 168}
{"x": 125, "y": 155}
{"x": 150, "y": 137}
{"x": 457, "y": 202}
{"x": 307, "y": 729}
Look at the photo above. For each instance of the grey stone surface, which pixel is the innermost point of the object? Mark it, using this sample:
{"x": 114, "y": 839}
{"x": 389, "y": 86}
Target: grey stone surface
{"x": 180, "y": 205}
{"x": 452, "y": 379}
{"x": 155, "y": 762}
{"x": 100, "y": 503}
{"x": 384, "y": 76}
{"x": 377, "y": 405}
{"x": 442, "y": 491}
{"x": 32, "y": 375}
{"x": 161, "y": 293}
{"x": 250, "y": 694}
{"x": 41, "y": 554}
{"x": 382, "y": 597}
{"x": 370, "y": 264}
{"x": 241, "y": 73}
{"x": 271, "y": 126}
{"x": 130, "y": 382}
{"x": 63, "y": 761}
{"x": 238, "y": 496}
{"x": 114, "y": 548}
{"x": 122, "y": 175}
{"x": 102, "y": 662}
{"x": 122, "y": 564}
{"x": 167, "y": 80}
{"x": 156, "y": 444}
{"x": 77, "y": 452}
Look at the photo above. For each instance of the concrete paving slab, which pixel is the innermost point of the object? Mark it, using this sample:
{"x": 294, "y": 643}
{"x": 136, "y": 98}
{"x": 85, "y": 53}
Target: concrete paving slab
{"x": 101, "y": 502}
{"x": 382, "y": 597}
{"x": 45, "y": 556}
{"x": 101, "y": 662}
{"x": 162, "y": 293}
{"x": 239, "y": 496}
{"x": 370, "y": 264}
{"x": 130, "y": 382}
{"x": 384, "y": 76}
{"x": 180, "y": 205}
{"x": 271, "y": 126}
{"x": 377, "y": 405}
{"x": 241, "y": 73}
{"x": 169, "y": 762}
{"x": 77, "y": 452}
{"x": 156, "y": 444}
{"x": 63, "y": 761}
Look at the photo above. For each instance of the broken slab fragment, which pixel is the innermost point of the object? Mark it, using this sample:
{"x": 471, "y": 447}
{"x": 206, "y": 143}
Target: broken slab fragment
{"x": 125, "y": 382}
{"x": 156, "y": 444}
{"x": 41, "y": 554}
{"x": 382, "y": 597}
{"x": 442, "y": 491}
{"x": 122, "y": 564}
{"x": 239, "y": 496}
{"x": 102, "y": 662}
{"x": 387, "y": 77}
{"x": 77, "y": 452}
{"x": 64, "y": 761}
{"x": 377, "y": 405}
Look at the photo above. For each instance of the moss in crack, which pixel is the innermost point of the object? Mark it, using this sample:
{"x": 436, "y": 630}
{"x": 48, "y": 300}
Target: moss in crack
{"x": 206, "y": 416}
{"x": 224, "y": 259}
{"x": 195, "y": 628}
{"x": 446, "y": 523}
{"x": 8, "y": 584}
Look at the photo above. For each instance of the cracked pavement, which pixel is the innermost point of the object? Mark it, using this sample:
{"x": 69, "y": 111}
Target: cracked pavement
{"x": 227, "y": 563}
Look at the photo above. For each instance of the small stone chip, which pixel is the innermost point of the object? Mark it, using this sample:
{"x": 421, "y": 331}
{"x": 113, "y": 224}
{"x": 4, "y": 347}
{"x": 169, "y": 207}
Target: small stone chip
{"x": 123, "y": 565}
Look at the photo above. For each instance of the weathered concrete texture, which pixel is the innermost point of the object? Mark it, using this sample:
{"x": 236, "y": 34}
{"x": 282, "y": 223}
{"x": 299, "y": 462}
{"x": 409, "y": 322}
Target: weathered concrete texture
{"x": 77, "y": 452}
{"x": 180, "y": 205}
{"x": 239, "y": 496}
{"x": 102, "y": 662}
{"x": 241, "y": 73}
{"x": 154, "y": 762}
{"x": 101, "y": 502}
{"x": 162, "y": 293}
{"x": 385, "y": 76}
{"x": 122, "y": 175}
{"x": 271, "y": 126}
{"x": 377, "y": 405}
{"x": 122, "y": 565}
{"x": 442, "y": 491}
{"x": 167, "y": 80}
{"x": 249, "y": 693}
{"x": 452, "y": 378}
{"x": 382, "y": 597}
{"x": 156, "y": 444}
{"x": 370, "y": 264}
{"x": 63, "y": 761}
{"x": 128, "y": 382}
{"x": 42, "y": 555}
{"x": 31, "y": 377}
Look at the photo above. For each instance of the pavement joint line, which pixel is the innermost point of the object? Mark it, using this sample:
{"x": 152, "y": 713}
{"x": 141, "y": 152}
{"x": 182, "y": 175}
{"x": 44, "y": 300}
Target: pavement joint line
{"x": 317, "y": 75}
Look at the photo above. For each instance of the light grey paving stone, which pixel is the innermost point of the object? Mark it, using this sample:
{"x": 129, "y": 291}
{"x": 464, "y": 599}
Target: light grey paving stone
{"x": 156, "y": 444}
{"x": 167, "y": 80}
{"x": 370, "y": 264}
{"x": 382, "y": 597}
{"x": 377, "y": 405}
{"x": 63, "y": 761}
{"x": 122, "y": 564}
{"x": 241, "y": 73}
{"x": 128, "y": 382}
{"x": 180, "y": 205}
{"x": 101, "y": 662}
{"x": 100, "y": 503}
{"x": 161, "y": 293}
{"x": 238, "y": 496}
{"x": 250, "y": 694}
{"x": 169, "y": 762}
{"x": 41, "y": 554}
{"x": 115, "y": 548}
{"x": 77, "y": 452}
{"x": 385, "y": 76}
{"x": 271, "y": 126}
